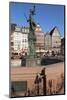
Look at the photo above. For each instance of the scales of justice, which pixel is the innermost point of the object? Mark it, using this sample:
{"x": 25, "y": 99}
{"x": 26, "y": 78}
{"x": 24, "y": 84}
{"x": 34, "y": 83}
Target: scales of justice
{"x": 31, "y": 59}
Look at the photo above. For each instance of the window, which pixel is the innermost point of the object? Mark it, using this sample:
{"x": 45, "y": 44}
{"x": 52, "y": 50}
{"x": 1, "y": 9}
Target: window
{"x": 25, "y": 40}
{"x": 12, "y": 43}
{"x": 22, "y": 40}
{"x": 12, "y": 48}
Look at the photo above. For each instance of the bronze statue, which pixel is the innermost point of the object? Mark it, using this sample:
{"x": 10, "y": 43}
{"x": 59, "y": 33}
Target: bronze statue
{"x": 31, "y": 34}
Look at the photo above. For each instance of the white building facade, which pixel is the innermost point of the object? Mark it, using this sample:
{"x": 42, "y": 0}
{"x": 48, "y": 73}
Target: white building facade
{"x": 19, "y": 40}
{"x": 48, "y": 42}
{"x": 44, "y": 42}
{"x": 53, "y": 41}
{"x": 56, "y": 40}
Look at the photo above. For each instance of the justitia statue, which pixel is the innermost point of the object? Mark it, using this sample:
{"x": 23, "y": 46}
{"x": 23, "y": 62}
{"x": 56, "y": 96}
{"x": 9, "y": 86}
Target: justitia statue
{"x": 31, "y": 35}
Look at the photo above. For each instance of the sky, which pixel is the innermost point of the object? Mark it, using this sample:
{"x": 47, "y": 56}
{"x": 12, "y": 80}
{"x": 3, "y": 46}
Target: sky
{"x": 48, "y": 16}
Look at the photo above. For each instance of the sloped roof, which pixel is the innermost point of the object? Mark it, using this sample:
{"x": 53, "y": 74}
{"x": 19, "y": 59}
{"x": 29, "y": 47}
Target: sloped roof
{"x": 62, "y": 41}
{"x": 51, "y": 32}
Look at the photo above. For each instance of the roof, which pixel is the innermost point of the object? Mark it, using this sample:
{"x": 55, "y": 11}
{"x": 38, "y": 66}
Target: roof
{"x": 62, "y": 41}
{"x": 51, "y": 32}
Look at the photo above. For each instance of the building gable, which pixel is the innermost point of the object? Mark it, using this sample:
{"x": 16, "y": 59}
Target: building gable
{"x": 55, "y": 32}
